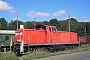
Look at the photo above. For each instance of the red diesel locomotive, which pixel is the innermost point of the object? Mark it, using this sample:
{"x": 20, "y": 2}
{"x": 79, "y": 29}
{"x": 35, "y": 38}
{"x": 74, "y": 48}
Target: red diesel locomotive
{"x": 43, "y": 37}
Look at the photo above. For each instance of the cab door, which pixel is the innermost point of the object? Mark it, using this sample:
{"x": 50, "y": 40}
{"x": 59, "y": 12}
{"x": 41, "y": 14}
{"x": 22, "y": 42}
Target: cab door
{"x": 54, "y": 35}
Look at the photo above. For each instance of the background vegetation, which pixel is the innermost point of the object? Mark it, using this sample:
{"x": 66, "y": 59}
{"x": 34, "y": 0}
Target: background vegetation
{"x": 78, "y": 27}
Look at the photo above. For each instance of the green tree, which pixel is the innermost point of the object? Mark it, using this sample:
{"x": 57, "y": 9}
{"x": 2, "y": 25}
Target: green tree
{"x": 13, "y": 25}
{"x": 53, "y": 22}
{"x": 46, "y": 22}
{"x": 29, "y": 25}
{"x": 3, "y": 24}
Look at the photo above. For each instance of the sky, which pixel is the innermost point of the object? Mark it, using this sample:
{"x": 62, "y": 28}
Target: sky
{"x": 45, "y": 10}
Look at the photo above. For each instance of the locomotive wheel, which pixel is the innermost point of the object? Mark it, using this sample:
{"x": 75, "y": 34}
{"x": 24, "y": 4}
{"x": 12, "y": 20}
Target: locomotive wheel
{"x": 30, "y": 50}
{"x": 37, "y": 50}
{"x": 46, "y": 49}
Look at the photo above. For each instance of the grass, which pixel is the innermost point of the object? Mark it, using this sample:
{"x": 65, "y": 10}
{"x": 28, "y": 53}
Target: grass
{"x": 37, "y": 55}
{"x": 8, "y": 56}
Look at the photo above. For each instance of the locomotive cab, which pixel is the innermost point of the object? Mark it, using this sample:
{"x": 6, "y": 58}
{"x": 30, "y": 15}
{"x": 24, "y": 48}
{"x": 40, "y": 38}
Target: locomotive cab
{"x": 45, "y": 27}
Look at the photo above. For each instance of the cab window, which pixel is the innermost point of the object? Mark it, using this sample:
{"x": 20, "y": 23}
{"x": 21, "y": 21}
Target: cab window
{"x": 37, "y": 28}
{"x": 41, "y": 27}
{"x": 44, "y": 27}
{"x": 53, "y": 29}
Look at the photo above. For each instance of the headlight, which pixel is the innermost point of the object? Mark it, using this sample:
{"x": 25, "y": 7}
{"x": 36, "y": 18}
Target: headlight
{"x": 20, "y": 33}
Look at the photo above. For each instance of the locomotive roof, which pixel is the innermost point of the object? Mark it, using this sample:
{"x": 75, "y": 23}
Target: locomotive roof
{"x": 7, "y": 32}
{"x": 42, "y": 25}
